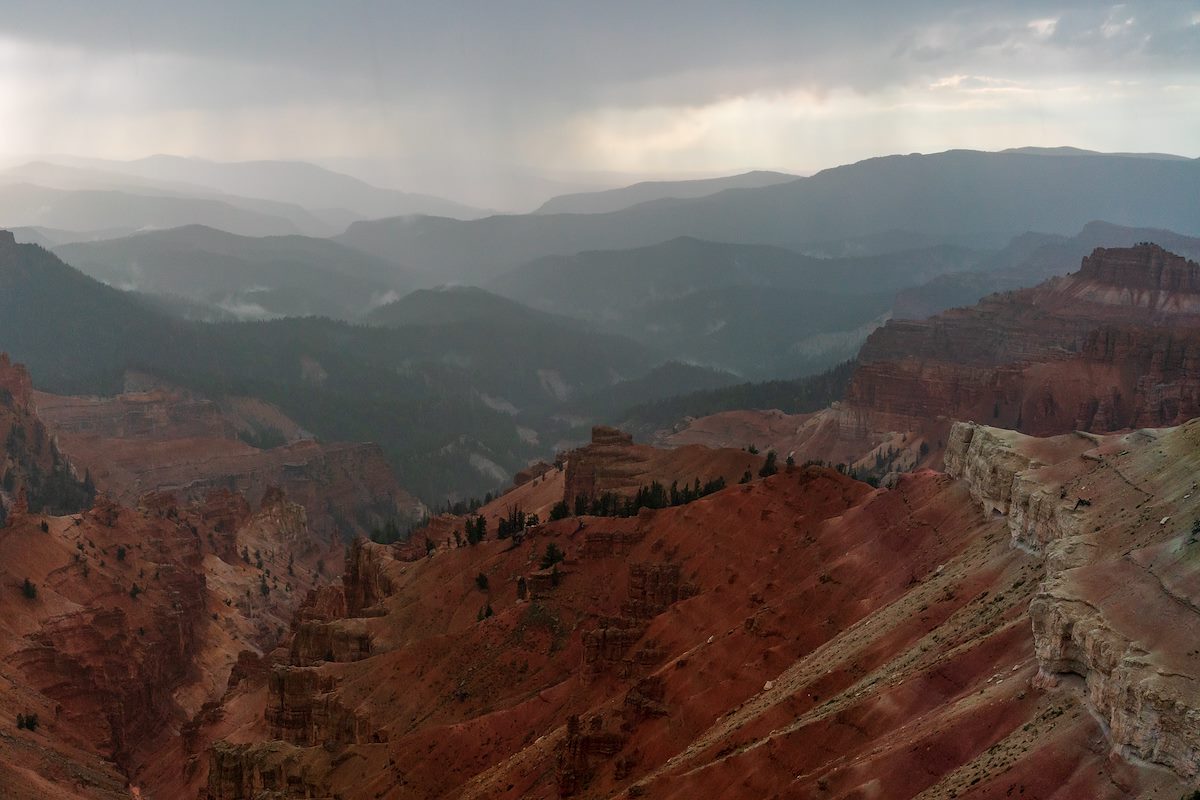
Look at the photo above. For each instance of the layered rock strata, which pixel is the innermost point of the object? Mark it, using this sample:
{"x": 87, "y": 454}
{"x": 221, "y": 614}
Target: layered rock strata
{"x": 1110, "y": 515}
{"x": 168, "y": 440}
{"x": 1111, "y": 346}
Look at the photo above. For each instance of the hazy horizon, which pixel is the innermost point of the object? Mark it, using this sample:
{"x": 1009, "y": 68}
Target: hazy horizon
{"x": 459, "y": 94}
{"x": 505, "y": 190}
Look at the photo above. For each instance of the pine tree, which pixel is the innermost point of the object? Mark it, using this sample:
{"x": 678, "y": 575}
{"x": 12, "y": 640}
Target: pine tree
{"x": 552, "y": 556}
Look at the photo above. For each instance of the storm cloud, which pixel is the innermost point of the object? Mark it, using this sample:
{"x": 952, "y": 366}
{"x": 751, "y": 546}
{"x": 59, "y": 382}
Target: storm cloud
{"x": 631, "y": 87}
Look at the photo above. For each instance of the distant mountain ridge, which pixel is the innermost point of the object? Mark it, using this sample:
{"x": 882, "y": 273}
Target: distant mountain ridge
{"x": 945, "y": 195}
{"x": 248, "y": 277}
{"x": 602, "y": 283}
{"x": 756, "y": 310}
{"x": 444, "y": 305}
{"x": 83, "y": 197}
{"x": 457, "y": 407}
{"x": 298, "y": 182}
{"x": 600, "y": 202}
{"x": 1027, "y": 261}
{"x": 28, "y": 205}
{"x": 64, "y": 178}
{"x": 1077, "y": 151}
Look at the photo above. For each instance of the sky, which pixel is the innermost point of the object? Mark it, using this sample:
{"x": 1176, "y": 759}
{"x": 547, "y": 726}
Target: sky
{"x": 637, "y": 88}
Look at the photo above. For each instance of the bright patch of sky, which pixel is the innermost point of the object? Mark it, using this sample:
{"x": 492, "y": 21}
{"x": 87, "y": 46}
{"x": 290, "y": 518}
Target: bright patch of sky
{"x": 632, "y": 87}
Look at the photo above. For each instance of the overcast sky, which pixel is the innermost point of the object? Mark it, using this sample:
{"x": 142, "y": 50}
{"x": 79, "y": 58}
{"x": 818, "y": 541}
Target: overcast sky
{"x": 635, "y": 87}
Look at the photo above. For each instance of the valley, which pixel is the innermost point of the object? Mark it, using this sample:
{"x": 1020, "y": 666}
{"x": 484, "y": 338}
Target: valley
{"x": 599, "y": 401}
{"x": 693, "y": 488}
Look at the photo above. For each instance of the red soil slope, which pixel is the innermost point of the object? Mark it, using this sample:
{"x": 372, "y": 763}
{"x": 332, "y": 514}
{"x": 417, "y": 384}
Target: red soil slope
{"x": 137, "y": 620}
{"x": 799, "y": 636}
{"x": 119, "y": 624}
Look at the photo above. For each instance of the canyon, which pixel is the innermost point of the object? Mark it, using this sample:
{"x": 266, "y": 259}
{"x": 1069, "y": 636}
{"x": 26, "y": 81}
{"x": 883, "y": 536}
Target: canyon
{"x": 160, "y": 438}
{"x": 1005, "y": 607}
{"x": 122, "y": 622}
{"x": 1017, "y": 622}
{"x": 802, "y": 635}
{"x": 578, "y": 401}
{"x": 1113, "y": 345}
{"x": 33, "y": 471}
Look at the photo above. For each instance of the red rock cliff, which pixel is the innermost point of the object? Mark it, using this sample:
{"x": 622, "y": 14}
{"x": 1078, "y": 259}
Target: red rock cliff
{"x": 1112, "y": 346}
{"x": 169, "y": 440}
{"x": 1101, "y": 349}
